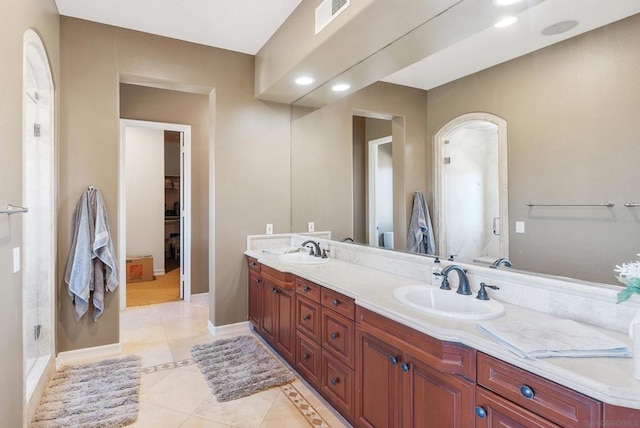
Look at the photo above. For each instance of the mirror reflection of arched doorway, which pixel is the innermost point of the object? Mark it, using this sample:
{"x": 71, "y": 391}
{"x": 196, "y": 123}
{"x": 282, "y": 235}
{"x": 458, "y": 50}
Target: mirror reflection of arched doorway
{"x": 471, "y": 193}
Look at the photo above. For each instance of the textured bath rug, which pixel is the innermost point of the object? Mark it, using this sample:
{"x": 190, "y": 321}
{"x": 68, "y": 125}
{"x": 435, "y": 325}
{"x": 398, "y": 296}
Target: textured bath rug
{"x": 96, "y": 395}
{"x": 238, "y": 367}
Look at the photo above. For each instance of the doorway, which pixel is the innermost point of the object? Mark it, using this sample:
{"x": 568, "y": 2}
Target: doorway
{"x": 380, "y": 185}
{"x": 145, "y": 188}
{"x": 39, "y": 230}
{"x": 472, "y": 189}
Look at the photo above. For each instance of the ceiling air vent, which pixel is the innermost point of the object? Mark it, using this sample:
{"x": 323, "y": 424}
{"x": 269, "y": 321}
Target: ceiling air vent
{"x": 328, "y": 10}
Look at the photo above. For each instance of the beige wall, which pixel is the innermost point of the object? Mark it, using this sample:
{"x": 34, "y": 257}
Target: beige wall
{"x": 248, "y": 157}
{"x": 162, "y": 105}
{"x": 322, "y": 158}
{"x": 15, "y": 18}
{"x": 572, "y": 111}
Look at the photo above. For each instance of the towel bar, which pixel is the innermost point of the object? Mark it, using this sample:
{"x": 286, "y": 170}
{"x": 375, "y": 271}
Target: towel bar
{"x": 14, "y": 209}
{"x": 631, "y": 204}
{"x": 606, "y": 204}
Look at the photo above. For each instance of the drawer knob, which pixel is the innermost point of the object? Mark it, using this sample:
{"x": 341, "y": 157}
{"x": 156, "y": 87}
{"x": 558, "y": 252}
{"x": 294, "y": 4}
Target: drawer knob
{"x": 274, "y": 290}
{"x": 393, "y": 360}
{"x": 334, "y": 335}
{"x": 335, "y": 302}
{"x": 305, "y": 356}
{"x": 253, "y": 263}
{"x": 306, "y": 317}
{"x": 404, "y": 367}
{"x": 334, "y": 381}
{"x": 527, "y": 392}
{"x": 481, "y": 412}
{"x": 257, "y": 281}
{"x": 306, "y": 289}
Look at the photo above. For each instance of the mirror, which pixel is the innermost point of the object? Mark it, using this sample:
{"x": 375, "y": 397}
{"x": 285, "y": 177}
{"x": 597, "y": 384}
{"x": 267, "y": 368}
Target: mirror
{"x": 572, "y": 112}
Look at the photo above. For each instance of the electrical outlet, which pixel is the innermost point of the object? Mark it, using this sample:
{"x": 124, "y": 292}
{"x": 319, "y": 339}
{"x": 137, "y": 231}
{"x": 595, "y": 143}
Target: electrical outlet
{"x": 269, "y": 229}
{"x": 519, "y": 226}
{"x": 312, "y": 227}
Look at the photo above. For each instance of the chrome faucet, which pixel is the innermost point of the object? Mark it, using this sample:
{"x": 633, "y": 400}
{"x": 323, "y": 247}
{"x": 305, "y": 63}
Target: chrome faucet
{"x": 463, "y": 280}
{"x": 503, "y": 261}
{"x": 315, "y": 250}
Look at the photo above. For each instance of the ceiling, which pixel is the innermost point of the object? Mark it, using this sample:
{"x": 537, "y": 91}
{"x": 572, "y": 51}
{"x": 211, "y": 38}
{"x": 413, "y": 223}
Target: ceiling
{"x": 238, "y": 25}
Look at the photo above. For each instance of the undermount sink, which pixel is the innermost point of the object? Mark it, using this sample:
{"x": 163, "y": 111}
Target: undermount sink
{"x": 302, "y": 259}
{"x": 447, "y": 303}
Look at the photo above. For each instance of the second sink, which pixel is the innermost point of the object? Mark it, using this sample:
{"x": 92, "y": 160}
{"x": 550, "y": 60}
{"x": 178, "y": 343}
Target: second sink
{"x": 447, "y": 303}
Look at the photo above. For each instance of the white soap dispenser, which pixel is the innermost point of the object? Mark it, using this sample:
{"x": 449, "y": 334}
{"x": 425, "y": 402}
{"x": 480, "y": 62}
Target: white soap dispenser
{"x": 436, "y": 273}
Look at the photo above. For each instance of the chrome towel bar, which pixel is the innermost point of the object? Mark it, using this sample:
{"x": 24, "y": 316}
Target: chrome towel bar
{"x": 606, "y": 204}
{"x": 14, "y": 209}
{"x": 631, "y": 204}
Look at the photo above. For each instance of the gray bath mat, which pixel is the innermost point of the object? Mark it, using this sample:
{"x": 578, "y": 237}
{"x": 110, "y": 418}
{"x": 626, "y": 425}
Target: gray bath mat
{"x": 96, "y": 395}
{"x": 238, "y": 367}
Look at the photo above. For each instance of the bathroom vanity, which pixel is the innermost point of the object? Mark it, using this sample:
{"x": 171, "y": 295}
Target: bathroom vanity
{"x": 382, "y": 364}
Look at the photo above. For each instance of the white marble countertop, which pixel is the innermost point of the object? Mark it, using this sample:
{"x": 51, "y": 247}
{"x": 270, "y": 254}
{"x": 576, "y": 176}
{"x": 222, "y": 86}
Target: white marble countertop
{"x": 606, "y": 379}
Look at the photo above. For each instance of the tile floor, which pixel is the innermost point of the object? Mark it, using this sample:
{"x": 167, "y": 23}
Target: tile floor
{"x": 173, "y": 392}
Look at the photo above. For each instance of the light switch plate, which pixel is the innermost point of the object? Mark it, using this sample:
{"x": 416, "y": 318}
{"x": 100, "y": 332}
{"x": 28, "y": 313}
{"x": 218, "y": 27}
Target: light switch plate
{"x": 312, "y": 227}
{"x": 269, "y": 229}
{"x": 519, "y": 226}
{"x": 16, "y": 259}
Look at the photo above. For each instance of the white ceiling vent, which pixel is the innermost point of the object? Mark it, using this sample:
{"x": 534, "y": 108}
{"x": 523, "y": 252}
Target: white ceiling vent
{"x": 327, "y": 12}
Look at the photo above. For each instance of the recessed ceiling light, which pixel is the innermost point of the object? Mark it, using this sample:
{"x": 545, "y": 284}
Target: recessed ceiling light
{"x": 505, "y": 22}
{"x": 340, "y": 87}
{"x": 305, "y": 80}
{"x": 559, "y": 27}
{"x": 505, "y": 2}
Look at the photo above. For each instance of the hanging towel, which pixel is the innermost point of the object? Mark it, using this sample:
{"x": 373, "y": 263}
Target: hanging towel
{"x": 554, "y": 338}
{"x": 420, "y": 238}
{"x": 92, "y": 264}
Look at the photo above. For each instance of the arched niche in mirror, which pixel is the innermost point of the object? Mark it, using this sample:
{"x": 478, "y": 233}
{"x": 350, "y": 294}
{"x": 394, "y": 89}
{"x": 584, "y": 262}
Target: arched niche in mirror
{"x": 471, "y": 188}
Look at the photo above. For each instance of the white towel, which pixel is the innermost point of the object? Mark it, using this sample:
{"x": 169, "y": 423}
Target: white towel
{"x": 555, "y": 338}
{"x": 92, "y": 265}
{"x": 420, "y": 237}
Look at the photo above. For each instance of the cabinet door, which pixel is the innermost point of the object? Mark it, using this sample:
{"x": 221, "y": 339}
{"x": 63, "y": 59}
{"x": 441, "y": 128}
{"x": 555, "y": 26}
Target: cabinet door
{"x": 285, "y": 326}
{"x": 432, "y": 399}
{"x": 269, "y": 310}
{"x": 494, "y": 411}
{"x": 255, "y": 300}
{"x": 378, "y": 389}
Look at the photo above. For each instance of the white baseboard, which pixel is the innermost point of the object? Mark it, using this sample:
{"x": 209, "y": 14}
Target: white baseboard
{"x": 200, "y": 296}
{"x": 238, "y": 328}
{"x": 77, "y": 355}
{"x": 159, "y": 272}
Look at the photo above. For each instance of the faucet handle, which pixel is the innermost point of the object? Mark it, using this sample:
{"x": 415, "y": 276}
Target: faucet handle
{"x": 482, "y": 293}
{"x": 324, "y": 254}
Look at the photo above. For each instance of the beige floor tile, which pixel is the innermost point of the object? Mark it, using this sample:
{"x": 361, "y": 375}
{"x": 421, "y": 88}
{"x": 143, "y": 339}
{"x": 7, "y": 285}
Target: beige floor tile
{"x": 248, "y": 412}
{"x": 151, "y": 416}
{"x": 181, "y": 390}
{"x": 196, "y": 422}
{"x": 152, "y": 354}
{"x": 328, "y": 413}
{"x": 284, "y": 414}
{"x": 143, "y": 334}
{"x": 184, "y": 327}
{"x": 181, "y": 347}
{"x": 150, "y": 379}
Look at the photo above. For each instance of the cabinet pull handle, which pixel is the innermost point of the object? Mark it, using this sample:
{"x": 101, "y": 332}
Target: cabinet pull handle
{"x": 527, "y": 392}
{"x": 257, "y": 281}
{"x": 274, "y": 290}
{"x": 405, "y": 367}
{"x": 306, "y": 289}
{"x": 393, "y": 360}
{"x": 253, "y": 263}
{"x": 305, "y": 356}
{"x": 334, "y": 381}
{"x": 481, "y": 412}
{"x": 334, "y": 335}
{"x": 306, "y": 317}
{"x": 335, "y": 302}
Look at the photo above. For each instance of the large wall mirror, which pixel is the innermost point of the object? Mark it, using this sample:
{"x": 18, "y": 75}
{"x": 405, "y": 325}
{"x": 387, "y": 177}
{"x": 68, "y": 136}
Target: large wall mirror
{"x": 572, "y": 113}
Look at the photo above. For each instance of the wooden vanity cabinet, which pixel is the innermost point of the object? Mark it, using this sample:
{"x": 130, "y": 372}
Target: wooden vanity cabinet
{"x": 255, "y": 294}
{"x": 407, "y": 379}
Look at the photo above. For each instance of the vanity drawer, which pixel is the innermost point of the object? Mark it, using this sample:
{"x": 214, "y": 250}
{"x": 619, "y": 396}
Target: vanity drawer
{"x": 556, "y": 403}
{"x": 281, "y": 279}
{"x": 308, "y": 289}
{"x": 309, "y": 359}
{"x": 338, "y": 336}
{"x": 503, "y": 413}
{"x": 337, "y": 384}
{"x": 339, "y": 303}
{"x": 308, "y": 318}
{"x": 254, "y": 265}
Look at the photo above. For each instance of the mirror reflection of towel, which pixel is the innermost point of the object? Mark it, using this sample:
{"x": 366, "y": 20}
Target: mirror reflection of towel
{"x": 420, "y": 237}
